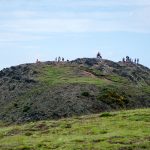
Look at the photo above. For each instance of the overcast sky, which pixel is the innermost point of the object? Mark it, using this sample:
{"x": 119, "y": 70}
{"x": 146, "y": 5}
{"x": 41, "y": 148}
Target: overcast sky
{"x": 45, "y": 29}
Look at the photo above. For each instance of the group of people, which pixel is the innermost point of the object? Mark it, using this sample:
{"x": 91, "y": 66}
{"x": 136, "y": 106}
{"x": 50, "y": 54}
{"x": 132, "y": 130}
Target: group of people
{"x": 59, "y": 59}
{"x": 130, "y": 60}
{"x": 127, "y": 59}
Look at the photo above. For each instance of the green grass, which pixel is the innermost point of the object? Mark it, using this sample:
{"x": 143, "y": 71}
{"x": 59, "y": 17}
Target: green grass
{"x": 53, "y": 75}
{"x": 146, "y": 89}
{"x": 106, "y": 131}
{"x": 116, "y": 78}
{"x": 112, "y": 77}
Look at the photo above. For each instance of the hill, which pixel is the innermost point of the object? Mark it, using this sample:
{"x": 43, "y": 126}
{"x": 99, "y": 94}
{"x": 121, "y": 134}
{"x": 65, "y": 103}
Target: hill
{"x": 124, "y": 130}
{"x": 52, "y": 90}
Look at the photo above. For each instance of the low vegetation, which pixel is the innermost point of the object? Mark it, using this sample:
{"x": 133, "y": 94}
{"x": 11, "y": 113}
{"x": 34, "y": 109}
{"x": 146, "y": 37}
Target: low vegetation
{"x": 123, "y": 130}
{"x": 54, "y": 75}
{"x": 55, "y": 90}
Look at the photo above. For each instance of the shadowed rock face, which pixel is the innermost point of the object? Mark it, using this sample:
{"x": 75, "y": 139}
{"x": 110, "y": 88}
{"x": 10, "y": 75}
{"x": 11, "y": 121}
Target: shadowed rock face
{"x": 52, "y": 90}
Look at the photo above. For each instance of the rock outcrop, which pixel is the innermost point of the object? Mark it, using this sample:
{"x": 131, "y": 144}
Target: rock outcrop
{"x": 50, "y": 90}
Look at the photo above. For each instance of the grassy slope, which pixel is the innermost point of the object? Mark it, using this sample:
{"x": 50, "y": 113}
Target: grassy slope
{"x": 117, "y": 130}
{"x": 61, "y": 74}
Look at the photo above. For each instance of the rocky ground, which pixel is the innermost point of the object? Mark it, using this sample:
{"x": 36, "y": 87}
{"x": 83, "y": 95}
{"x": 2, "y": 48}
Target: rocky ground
{"x": 53, "y": 90}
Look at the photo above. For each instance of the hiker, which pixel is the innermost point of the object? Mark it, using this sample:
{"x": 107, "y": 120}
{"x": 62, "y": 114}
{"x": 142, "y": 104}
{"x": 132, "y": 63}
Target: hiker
{"x": 137, "y": 60}
{"x": 37, "y": 61}
{"x": 99, "y": 56}
{"x": 56, "y": 59}
{"x": 123, "y": 60}
{"x": 127, "y": 58}
{"x": 59, "y": 59}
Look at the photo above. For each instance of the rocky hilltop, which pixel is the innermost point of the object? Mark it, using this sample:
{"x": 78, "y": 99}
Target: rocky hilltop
{"x": 52, "y": 90}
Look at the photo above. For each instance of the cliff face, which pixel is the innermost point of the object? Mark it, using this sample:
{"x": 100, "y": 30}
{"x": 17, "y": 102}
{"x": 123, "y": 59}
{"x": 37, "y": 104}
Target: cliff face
{"x": 53, "y": 90}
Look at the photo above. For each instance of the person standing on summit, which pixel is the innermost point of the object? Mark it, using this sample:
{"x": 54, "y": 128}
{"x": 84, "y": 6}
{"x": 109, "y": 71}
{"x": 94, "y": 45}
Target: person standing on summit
{"x": 138, "y": 60}
{"x": 99, "y": 55}
{"x": 135, "y": 61}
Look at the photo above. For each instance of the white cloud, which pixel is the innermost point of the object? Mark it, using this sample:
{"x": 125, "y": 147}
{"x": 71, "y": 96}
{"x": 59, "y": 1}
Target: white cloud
{"x": 112, "y": 2}
{"x": 134, "y": 21}
{"x": 18, "y": 37}
{"x": 22, "y": 25}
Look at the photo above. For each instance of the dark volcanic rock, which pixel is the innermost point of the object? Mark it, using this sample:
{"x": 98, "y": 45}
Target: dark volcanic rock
{"x": 86, "y": 61}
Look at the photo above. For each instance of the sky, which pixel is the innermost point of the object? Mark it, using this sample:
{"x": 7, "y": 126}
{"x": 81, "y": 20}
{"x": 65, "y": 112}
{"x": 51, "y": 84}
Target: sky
{"x": 46, "y": 29}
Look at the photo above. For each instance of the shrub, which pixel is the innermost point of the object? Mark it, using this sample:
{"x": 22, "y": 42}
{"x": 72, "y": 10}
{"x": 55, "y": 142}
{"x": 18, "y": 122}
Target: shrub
{"x": 113, "y": 97}
{"x": 28, "y": 134}
{"x": 26, "y": 108}
{"x": 15, "y": 105}
{"x": 106, "y": 114}
{"x": 86, "y": 94}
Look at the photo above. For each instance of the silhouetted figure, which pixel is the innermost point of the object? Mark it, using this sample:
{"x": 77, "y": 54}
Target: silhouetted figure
{"x": 37, "y": 61}
{"x": 127, "y": 59}
{"x": 137, "y": 60}
{"x": 123, "y": 60}
{"x": 56, "y": 59}
{"x": 99, "y": 55}
{"x": 59, "y": 59}
{"x": 63, "y": 59}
